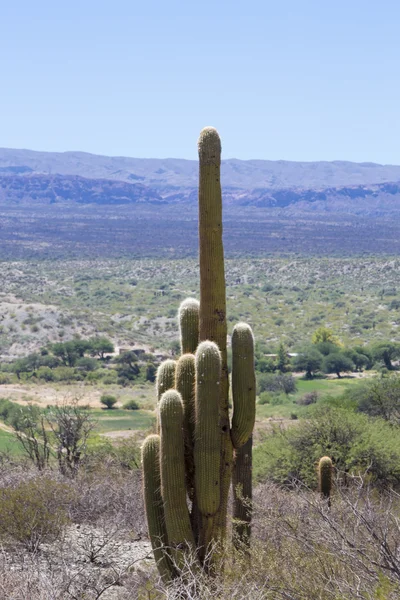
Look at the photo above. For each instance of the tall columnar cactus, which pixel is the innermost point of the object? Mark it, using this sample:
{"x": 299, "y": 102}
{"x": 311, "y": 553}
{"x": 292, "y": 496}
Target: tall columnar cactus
{"x": 213, "y": 325}
{"x": 197, "y": 441}
{"x": 325, "y": 477}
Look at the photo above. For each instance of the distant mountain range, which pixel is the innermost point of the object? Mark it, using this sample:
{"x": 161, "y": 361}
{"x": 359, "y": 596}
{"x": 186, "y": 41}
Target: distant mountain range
{"x": 30, "y": 177}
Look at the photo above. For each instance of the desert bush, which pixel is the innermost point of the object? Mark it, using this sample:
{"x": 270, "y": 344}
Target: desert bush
{"x": 46, "y": 374}
{"x": 285, "y": 383}
{"x": 65, "y": 374}
{"x": 87, "y": 364}
{"x": 379, "y": 397}
{"x": 4, "y": 379}
{"x": 94, "y": 376}
{"x": 301, "y": 550}
{"x": 308, "y": 398}
{"x": 108, "y": 400}
{"x": 265, "y": 398}
{"x": 34, "y": 511}
{"x": 355, "y": 443}
{"x": 131, "y": 405}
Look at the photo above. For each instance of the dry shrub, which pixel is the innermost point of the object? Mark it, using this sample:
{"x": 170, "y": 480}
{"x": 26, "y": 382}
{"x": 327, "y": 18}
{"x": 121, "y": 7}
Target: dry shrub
{"x": 34, "y": 511}
{"x": 302, "y": 550}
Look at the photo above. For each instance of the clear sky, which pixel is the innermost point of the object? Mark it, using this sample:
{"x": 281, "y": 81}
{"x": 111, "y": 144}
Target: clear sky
{"x": 288, "y": 79}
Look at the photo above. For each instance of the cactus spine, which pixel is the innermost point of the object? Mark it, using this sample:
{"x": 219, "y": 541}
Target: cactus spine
{"x": 196, "y": 438}
{"x": 325, "y": 477}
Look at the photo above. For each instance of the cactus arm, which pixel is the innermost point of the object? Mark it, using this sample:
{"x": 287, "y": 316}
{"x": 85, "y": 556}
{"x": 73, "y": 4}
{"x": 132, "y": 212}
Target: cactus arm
{"x": 165, "y": 379}
{"x": 243, "y": 493}
{"x": 185, "y": 385}
{"x": 188, "y": 316}
{"x": 207, "y": 447}
{"x": 154, "y": 506}
{"x": 243, "y": 384}
{"x": 173, "y": 486}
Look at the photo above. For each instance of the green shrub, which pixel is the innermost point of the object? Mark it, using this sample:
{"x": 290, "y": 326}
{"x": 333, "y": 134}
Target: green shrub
{"x": 108, "y": 400}
{"x": 87, "y": 364}
{"x": 131, "y": 405}
{"x": 64, "y": 374}
{"x": 356, "y": 444}
{"x": 46, "y": 374}
{"x": 4, "y": 379}
{"x": 264, "y": 398}
{"x": 95, "y": 375}
{"x": 34, "y": 511}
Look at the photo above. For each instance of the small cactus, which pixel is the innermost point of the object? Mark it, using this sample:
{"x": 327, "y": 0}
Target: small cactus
{"x": 325, "y": 477}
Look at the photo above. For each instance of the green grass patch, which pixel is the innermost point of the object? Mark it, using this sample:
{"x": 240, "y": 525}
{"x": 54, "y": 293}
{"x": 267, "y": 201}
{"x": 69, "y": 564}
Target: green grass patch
{"x": 9, "y": 444}
{"x": 121, "y": 420}
{"x": 285, "y": 407}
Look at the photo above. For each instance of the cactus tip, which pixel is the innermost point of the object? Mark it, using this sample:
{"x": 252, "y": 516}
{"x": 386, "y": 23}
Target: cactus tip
{"x": 209, "y": 145}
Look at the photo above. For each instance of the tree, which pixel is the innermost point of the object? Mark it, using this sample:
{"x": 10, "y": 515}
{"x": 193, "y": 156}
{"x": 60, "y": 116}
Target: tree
{"x": 151, "y": 372}
{"x": 386, "y": 351}
{"x": 359, "y": 360}
{"x": 29, "y": 424}
{"x": 265, "y": 365}
{"x": 87, "y": 364}
{"x": 66, "y": 352}
{"x": 308, "y": 360}
{"x": 101, "y": 346}
{"x": 326, "y": 348}
{"x": 282, "y": 359}
{"x": 29, "y": 364}
{"x": 337, "y": 362}
{"x": 71, "y": 426}
{"x": 323, "y": 334}
{"x": 81, "y": 346}
{"x": 127, "y": 365}
{"x": 108, "y": 400}
{"x": 380, "y": 397}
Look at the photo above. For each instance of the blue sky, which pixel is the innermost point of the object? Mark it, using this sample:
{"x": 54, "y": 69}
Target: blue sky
{"x": 289, "y": 79}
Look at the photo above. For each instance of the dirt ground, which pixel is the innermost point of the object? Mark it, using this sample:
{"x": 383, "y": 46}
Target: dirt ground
{"x": 45, "y": 394}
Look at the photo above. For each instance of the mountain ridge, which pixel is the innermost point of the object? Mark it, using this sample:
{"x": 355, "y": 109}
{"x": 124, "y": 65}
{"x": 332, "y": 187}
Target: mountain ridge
{"x": 244, "y": 174}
